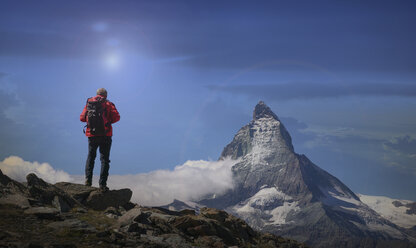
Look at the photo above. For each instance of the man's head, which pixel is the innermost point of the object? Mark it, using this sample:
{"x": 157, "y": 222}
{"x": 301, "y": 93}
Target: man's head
{"x": 102, "y": 92}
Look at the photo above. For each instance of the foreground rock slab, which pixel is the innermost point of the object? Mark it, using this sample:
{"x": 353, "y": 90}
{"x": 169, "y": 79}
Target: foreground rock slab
{"x": 95, "y": 198}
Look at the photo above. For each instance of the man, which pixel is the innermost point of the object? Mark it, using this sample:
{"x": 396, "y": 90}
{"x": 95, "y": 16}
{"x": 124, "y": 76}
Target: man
{"x": 99, "y": 113}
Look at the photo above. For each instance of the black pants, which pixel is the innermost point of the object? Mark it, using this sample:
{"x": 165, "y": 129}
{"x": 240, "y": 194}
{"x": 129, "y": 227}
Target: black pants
{"x": 104, "y": 143}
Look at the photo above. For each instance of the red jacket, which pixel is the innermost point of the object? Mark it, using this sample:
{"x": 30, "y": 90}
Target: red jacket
{"x": 111, "y": 116}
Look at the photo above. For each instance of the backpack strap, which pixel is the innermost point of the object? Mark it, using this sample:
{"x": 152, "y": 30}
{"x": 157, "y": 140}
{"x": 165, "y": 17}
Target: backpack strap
{"x": 86, "y": 113}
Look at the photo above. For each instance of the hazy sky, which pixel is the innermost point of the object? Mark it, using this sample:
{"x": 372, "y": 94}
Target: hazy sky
{"x": 186, "y": 75}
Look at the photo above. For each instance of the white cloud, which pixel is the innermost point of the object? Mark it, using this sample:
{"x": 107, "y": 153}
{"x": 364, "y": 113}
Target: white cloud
{"x": 190, "y": 181}
{"x": 16, "y": 168}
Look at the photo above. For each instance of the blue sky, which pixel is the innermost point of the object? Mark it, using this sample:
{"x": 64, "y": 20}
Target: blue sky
{"x": 186, "y": 75}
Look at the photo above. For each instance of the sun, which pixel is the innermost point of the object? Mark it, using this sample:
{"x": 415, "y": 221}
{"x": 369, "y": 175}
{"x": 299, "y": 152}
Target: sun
{"x": 112, "y": 61}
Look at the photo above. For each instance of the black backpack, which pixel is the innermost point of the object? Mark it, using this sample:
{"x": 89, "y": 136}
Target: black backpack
{"x": 95, "y": 112}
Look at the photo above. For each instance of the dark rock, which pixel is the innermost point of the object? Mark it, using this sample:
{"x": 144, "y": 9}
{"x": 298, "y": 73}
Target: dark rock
{"x": 79, "y": 192}
{"x": 397, "y": 204}
{"x": 99, "y": 200}
{"x": 11, "y": 184}
{"x": 15, "y": 199}
{"x": 33, "y": 180}
{"x": 129, "y": 205}
{"x": 13, "y": 192}
{"x": 46, "y": 193}
{"x": 60, "y": 203}
{"x": 143, "y": 218}
{"x": 44, "y": 213}
{"x": 187, "y": 212}
{"x": 136, "y": 228}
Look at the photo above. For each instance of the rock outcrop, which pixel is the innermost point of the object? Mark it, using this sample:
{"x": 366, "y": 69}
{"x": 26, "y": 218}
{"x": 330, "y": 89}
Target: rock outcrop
{"x": 74, "y": 215}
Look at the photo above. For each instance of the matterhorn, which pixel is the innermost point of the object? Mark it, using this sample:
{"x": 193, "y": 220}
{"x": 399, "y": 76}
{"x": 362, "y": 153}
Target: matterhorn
{"x": 284, "y": 193}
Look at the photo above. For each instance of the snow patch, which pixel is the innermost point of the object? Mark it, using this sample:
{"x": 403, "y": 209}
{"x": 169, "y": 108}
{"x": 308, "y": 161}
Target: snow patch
{"x": 384, "y": 206}
{"x": 263, "y": 202}
{"x": 280, "y": 213}
{"x": 337, "y": 197}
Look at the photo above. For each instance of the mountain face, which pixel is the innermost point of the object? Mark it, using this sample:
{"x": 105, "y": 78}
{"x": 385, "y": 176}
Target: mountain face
{"x": 282, "y": 192}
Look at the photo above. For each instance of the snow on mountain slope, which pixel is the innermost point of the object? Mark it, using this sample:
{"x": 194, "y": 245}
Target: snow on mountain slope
{"x": 394, "y": 210}
{"x": 270, "y": 203}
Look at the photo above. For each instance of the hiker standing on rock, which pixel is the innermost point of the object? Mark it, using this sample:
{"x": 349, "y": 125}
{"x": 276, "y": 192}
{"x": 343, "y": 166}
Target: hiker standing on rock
{"x": 99, "y": 113}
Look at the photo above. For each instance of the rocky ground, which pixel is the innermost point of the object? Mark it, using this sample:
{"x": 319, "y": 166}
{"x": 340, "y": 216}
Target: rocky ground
{"x": 39, "y": 214}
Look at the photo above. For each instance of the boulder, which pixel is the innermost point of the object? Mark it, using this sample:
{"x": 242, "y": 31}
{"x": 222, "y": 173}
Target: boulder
{"x": 46, "y": 193}
{"x": 8, "y": 185}
{"x": 129, "y": 217}
{"x": 15, "y": 199}
{"x": 100, "y": 200}
{"x": 94, "y": 198}
{"x": 13, "y": 192}
{"x": 77, "y": 191}
{"x": 61, "y": 204}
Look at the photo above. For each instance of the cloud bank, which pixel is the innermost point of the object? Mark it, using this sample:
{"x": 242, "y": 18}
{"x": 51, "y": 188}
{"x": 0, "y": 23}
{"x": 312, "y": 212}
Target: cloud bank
{"x": 190, "y": 181}
{"x": 16, "y": 168}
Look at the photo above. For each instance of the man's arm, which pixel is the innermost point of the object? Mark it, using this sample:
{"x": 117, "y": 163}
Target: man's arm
{"x": 115, "y": 116}
{"x": 83, "y": 116}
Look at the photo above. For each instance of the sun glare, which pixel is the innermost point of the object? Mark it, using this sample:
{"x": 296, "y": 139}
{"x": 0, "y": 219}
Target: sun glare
{"x": 112, "y": 61}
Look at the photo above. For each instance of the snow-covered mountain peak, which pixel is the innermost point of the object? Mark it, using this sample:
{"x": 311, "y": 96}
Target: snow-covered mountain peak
{"x": 279, "y": 191}
{"x": 263, "y": 111}
{"x": 262, "y": 138}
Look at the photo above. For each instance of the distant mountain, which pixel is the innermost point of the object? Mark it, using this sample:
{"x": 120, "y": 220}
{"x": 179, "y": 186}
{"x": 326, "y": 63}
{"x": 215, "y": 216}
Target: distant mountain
{"x": 282, "y": 192}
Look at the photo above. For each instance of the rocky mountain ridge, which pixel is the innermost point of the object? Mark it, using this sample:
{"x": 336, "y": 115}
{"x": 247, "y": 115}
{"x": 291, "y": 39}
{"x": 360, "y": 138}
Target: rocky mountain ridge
{"x": 279, "y": 191}
{"x": 39, "y": 214}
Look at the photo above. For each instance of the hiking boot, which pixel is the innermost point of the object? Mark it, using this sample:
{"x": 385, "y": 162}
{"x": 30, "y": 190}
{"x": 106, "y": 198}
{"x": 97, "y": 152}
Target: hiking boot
{"x": 103, "y": 188}
{"x": 88, "y": 182}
